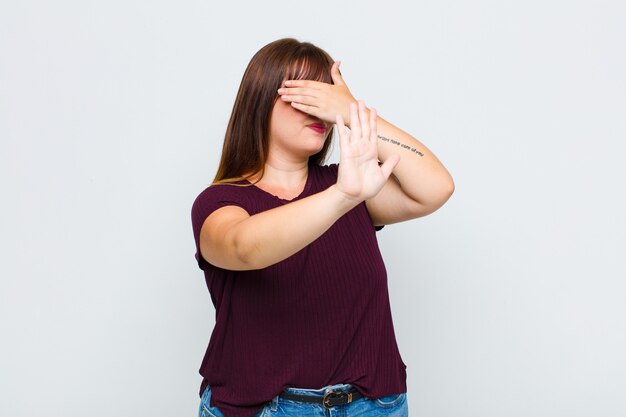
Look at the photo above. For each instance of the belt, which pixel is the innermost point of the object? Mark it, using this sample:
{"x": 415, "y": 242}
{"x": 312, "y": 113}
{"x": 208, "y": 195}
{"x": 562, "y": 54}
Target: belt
{"x": 329, "y": 399}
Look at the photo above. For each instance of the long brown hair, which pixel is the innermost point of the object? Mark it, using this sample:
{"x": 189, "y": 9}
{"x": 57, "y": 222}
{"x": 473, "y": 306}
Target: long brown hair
{"x": 246, "y": 143}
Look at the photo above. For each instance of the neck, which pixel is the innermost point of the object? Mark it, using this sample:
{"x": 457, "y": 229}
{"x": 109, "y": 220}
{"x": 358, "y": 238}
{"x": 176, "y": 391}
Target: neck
{"x": 283, "y": 174}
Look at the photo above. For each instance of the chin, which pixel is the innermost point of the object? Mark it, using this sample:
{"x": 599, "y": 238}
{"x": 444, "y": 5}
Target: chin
{"x": 310, "y": 151}
{"x": 319, "y": 146}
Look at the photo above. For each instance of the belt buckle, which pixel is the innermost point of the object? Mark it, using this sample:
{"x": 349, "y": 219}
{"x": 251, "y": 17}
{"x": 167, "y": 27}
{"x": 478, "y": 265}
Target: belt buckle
{"x": 329, "y": 395}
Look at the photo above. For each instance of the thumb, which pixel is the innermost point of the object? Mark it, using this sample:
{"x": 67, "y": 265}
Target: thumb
{"x": 335, "y": 74}
{"x": 390, "y": 164}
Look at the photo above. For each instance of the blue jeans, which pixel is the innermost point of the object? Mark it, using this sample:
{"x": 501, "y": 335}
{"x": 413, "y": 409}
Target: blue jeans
{"x": 395, "y": 405}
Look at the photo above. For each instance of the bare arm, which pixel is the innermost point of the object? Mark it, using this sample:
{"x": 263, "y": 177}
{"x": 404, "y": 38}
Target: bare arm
{"x": 255, "y": 242}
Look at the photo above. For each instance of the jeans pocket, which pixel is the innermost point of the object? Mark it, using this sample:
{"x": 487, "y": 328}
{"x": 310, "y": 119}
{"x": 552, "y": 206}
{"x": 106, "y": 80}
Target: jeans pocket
{"x": 205, "y": 409}
{"x": 266, "y": 411}
{"x": 204, "y": 412}
{"x": 205, "y": 405}
{"x": 390, "y": 401}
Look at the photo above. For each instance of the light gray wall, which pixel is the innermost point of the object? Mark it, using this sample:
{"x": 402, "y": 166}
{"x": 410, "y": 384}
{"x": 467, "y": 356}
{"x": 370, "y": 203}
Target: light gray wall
{"x": 508, "y": 301}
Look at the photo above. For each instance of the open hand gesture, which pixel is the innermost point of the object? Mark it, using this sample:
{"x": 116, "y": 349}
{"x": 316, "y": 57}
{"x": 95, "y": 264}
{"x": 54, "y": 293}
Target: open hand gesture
{"x": 360, "y": 177}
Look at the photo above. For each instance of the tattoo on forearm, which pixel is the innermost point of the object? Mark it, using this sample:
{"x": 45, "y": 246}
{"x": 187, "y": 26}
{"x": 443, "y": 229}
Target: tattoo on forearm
{"x": 402, "y": 145}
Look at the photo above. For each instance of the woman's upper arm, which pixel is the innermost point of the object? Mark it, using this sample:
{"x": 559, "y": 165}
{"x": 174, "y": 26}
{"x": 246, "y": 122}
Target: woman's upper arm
{"x": 218, "y": 243}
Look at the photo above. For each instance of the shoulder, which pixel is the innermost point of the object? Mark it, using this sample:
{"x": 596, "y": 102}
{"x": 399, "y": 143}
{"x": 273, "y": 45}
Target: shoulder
{"x": 217, "y": 192}
{"x": 216, "y": 196}
{"x": 331, "y": 167}
{"x": 221, "y": 190}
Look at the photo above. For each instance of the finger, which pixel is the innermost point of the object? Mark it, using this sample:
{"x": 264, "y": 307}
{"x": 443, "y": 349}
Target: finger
{"x": 315, "y": 85}
{"x": 343, "y": 132}
{"x": 336, "y": 74}
{"x": 305, "y": 108}
{"x": 355, "y": 128}
{"x": 365, "y": 126}
{"x": 299, "y": 98}
{"x": 390, "y": 164}
{"x": 291, "y": 91}
{"x": 373, "y": 126}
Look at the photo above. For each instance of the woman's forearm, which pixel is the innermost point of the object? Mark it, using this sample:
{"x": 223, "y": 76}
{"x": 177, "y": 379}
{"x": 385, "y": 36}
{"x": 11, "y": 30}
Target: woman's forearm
{"x": 273, "y": 235}
{"x": 420, "y": 174}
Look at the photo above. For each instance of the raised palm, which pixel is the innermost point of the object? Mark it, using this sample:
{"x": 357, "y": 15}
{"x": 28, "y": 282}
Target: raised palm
{"x": 359, "y": 176}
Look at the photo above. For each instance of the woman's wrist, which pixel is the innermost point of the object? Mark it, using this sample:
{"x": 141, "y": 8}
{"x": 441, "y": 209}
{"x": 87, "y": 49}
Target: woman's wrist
{"x": 343, "y": 202}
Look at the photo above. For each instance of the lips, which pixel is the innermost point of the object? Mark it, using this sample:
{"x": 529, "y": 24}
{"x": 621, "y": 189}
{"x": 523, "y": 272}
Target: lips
{"x": 318, "y": 127}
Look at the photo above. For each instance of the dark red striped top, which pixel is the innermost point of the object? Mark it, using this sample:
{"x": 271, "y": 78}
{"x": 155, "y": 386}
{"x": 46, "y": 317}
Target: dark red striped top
{"x": 320, "y": 317}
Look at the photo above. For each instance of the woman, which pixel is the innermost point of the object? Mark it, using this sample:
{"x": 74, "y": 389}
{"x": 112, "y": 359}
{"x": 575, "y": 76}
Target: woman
{"x": 288, "y": 245}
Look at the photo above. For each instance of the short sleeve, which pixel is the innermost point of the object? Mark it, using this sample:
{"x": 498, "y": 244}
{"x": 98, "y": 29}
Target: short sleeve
{"x": 209, "y": 200}
{"x": 334, "y": 169}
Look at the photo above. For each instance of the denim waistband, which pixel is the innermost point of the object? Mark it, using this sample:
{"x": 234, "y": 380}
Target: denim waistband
{"x": 319, "y": 392}
{"x": 314, "y": 392}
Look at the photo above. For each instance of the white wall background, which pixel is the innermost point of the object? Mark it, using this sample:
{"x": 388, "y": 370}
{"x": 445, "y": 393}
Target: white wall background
{"x": 508, "y": 301}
